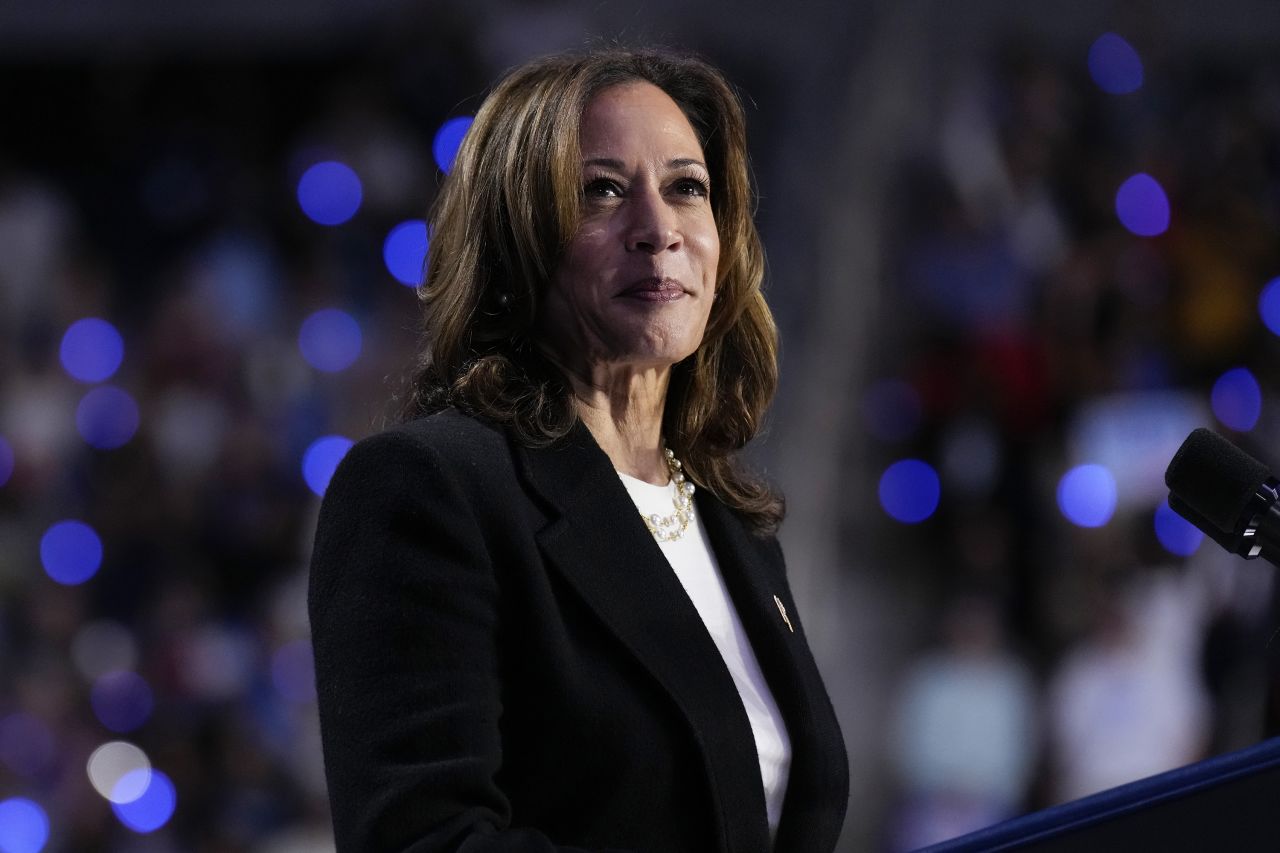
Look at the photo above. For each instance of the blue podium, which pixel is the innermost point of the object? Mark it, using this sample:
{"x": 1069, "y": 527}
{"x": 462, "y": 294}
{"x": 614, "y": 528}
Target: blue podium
{"x": 1227, "y": 803}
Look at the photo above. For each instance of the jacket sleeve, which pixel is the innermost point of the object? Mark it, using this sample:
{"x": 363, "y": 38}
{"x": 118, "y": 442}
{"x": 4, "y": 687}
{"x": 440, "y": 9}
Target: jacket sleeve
{"x": 403, "y": 606}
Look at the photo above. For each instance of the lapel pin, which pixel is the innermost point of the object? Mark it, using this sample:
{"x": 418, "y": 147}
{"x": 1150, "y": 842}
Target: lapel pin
{"x": 783, "y": 611}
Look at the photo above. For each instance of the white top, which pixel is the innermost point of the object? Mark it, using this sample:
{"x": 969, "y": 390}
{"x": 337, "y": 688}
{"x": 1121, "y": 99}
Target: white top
{"x": 696, "y": 567}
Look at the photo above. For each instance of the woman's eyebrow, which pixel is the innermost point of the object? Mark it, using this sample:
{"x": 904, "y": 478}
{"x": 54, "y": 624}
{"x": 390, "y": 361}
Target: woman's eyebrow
{"x": 611, "y": 163}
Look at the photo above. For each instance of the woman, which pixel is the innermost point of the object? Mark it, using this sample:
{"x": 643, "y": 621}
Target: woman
{"x": 510, "y": 656}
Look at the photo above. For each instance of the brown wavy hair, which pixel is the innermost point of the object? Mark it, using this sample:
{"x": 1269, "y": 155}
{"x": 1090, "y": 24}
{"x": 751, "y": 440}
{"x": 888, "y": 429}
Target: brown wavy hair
{"x": 500, "y": 223}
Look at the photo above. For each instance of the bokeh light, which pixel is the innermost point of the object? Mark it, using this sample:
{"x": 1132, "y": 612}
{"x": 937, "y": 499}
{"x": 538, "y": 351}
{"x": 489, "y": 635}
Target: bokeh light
{"x": 1142, "y": 206}
{"x": 1175, "y": 533}
{"x": 153, "y": 807}
{"x": 909, "y": 490}
{"x": 1114, "y": 65}
{"x": 91, "y": 350}
{"x": 71, "y": 552}
{"x": 24, "y": 827}
{"x": 121, "y": 700}
{"x": 405, "y": 251}
{"x": 293, "y": 671}
{"x": 891, "y": 409}
{"x": 6, "y": 461}
{"x": 447, "y": 140}
{"x": 1087, "y": 495}
{"x": 1269, "y": 305}
{"x": 26, "y": 744}
{"x": 107, "y": 417}
{"x": 330, "y": 340}
{"x": 329, "y": 193}
{"x": 321, "y": 459}
{"x": 111, "y": 763}
{"x": 1236, "y": 399}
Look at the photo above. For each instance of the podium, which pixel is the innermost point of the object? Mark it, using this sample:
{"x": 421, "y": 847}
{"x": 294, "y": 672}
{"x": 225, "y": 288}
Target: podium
{"x": 1227, "y": 803}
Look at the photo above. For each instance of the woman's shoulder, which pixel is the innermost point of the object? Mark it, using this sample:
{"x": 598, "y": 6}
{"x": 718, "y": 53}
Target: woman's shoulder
{"x": 452, "y": 432}
{"x": 447, "y": 434}
{"x": 448, "y": 444}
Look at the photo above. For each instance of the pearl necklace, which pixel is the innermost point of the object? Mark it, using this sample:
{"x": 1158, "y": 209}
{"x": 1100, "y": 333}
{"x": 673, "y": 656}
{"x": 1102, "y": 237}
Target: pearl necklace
{"x": 669, "y": 528}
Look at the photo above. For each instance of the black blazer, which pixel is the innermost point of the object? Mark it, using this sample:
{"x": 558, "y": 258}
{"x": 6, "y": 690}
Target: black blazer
{"x": 506, "y": 662}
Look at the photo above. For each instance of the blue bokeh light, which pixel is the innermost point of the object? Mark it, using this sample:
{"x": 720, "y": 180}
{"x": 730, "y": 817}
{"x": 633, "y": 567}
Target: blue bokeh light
{"x": 909, "y": 490}
{"x": 1269, "y": 305}
{"x": 447, "y": 141}
{"x": 24, "y": 827}
{"x": 330, "y": 340}
{"x": 91, "y": 350}
{"x": 1175, "y": 533}
{"x": 1236, "y": 399}
{"x": 1142, "y": 206}
{"x": 891, "y": 409}
{"x": 293, "y": 672}
{"x": 405, "y": 251}
{"x": 153, "y": 809}
{"x": 329, "y": 193}
{"x": 71, "y": 552}
{"x": 321, "y": 459}
{"x": 107, "y": 417}
{"x": 6, "y": 461}
{"x": 1114, "y": 65}
{"x": 122, "y": 700}
{"x": 1087, "y": 495}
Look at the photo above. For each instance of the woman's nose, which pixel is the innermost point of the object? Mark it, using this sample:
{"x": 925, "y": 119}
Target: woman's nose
{"x": 653, "y": 227}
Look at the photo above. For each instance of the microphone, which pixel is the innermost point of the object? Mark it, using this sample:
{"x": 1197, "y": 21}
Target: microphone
{"x": 1226, "y": 493}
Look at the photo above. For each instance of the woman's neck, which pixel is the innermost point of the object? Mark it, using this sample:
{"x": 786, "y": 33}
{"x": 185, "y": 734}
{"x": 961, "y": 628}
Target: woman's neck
{"x": 623, "y": 410}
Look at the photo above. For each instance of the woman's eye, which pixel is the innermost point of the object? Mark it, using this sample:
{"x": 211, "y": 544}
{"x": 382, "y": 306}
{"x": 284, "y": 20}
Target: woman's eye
{"x": 601, "y": 188}
{"x": 692, "y": 187}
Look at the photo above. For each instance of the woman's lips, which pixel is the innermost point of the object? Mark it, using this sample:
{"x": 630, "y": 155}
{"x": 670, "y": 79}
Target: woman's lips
{"x": 655, "y": 290}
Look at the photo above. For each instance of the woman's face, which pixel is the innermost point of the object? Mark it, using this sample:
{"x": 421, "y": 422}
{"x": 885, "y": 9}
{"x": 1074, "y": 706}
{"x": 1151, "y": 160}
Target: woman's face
{"x": 635, "y": 284}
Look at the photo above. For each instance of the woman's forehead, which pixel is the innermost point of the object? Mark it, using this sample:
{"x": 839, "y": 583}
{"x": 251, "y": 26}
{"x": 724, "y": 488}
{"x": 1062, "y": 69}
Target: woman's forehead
{"x": 636, "y": 117}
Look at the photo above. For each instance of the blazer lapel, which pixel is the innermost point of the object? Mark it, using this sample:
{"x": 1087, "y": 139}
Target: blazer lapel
{"x": 600, "y": 545}
{"x": 754, "y": 573}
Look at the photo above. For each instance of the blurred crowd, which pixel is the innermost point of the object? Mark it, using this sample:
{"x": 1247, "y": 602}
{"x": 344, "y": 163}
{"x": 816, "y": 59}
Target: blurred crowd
{"x": 1025, "y": 330}
{"x": 1032, "y": 332}
{"x": 170, "y": 211}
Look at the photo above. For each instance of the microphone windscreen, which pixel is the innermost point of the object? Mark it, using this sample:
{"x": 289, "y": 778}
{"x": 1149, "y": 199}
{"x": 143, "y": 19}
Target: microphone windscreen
{"x": 1215, "y": 478}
